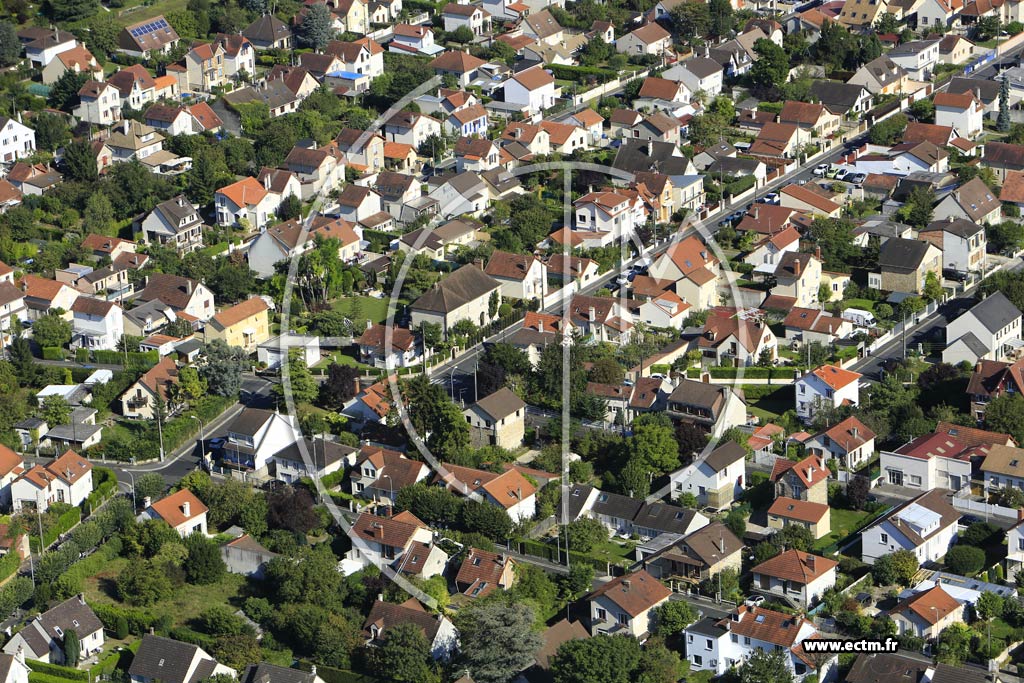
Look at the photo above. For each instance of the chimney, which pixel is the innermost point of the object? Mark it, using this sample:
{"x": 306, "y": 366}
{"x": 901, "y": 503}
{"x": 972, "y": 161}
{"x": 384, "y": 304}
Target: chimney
{"x": 650, "y": 148}
{"x": 369, "y": 324}
{"x": 186, "y": 509}
{"x": 127, "y": 126}
{"x": 1020, "y": 514}
{"x": 181, "y": 200}
{"x": 266, "y": 180}
{"x": 796, "y": 267}
{"x": 146, "y": 502}
{"x": 312, "y": 669}
{"x": 593, "y": 314}
{"x": 626, "y": 584}
{"x": 357, "y": 386}
{"x": 757, "y": 212}
{"x": 810, "y": 562}
{"x": 188, "y": 286}
{"x": 853, "y": 432}
{"x": 817, "y": 253}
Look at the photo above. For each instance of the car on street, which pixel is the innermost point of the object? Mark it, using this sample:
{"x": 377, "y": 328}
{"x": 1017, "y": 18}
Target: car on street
{"x": 820, "y": 170}
{"x": 771, "y": 198}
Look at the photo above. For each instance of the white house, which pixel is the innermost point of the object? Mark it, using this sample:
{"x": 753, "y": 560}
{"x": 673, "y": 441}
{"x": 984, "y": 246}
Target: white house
{"x": 16, "y": 140}
{"x": 918, "y": 58}
{"x": 964, "y": 112}
{"x": 439, "y": 631}
{"x": 609, "y": 212}
{"x": 392, "y": 541}
{"x": 411, "y": 128}
{"x": 42, "y": 45}
{"x": 42, "y": 639}
{"x": 849, "y": 441}
{"x": 533, "y": 89}
{"x": 66, "y": 479}
{"x": 624, "y": 604}
{"x": 963, "y": 243}
{"x": 255, "y": 435}
{"x": 182, "y": 511}
{"x": 717, "y": 645}
{"x": 828, "y": 385}
{"x": 509, "y": 490}
{"x": 699, "y": 74}
{"x": 925, "y": 525}
{"x": 716, "y": 480}
{"x": 99, "y": 103}
{"x": 245, "y": 202}
{"x": 1003, "y": 467}
{"x": 1014, "y": 550}
{"x": 927, "y": 613}
{"x": 651, "y": 39}
{"x": 795, "y": 576}
{"x": 521, "y": 276}
{"x": 96, "y": 324}
{"x": 990, "y": 330}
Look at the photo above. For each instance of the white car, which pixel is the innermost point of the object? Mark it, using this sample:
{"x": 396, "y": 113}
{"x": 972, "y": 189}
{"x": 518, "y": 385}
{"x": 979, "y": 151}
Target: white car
{"x": 842, "y": 173}
{"x": 821, "y": 170}
{"x": 771, "y": 198}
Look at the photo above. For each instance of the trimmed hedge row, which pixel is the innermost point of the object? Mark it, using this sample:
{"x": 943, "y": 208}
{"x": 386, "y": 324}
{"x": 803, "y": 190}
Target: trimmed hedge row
{"x": 139, "y": 620}
{"x": 53, "y": 353}
{"x": 39, "y": 677}
{"x": 65, "y": 522}
{"x": 580, "y": 74}
{"x": 9, "y": 564}
{"x": 104, "y": 487}
{"x": 752, "y": 372}
{"x": 137, "y": 360}
{"x": 66, "y": 672}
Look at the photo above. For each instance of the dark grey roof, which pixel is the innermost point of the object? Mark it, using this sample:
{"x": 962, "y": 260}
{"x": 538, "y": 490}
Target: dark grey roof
{"x": 578, "y": 494}
{"x": 188, "y": 346}
{"x": 71, "y": 615}
{"x": 664, "y": 518}
{"x": 886, "y": 668}
{"x": 323, "y": 453}
{"x": 734, "y": 166}
{"x": 835, "y": 95}
{"x": 501, "y": 403}
{"x": 462, "y": 286}
{"x": 274, "y": 93}
{"x": 963, "y": 673}
{"x": 961, "y": 227}
{"x": 162, "y": 659}
{"x": 725, "y": 455}
{"x": 708, "y": 626}
{"x": 267, "y": 29}
{"x": 431, "y": 241}
{"x": 995, "y": 312}
{"x": 702, "y": 67}
{"x": 73, "y": 433}
{"x": 29, "y": 423}
{"x": 884, "y": 70}
{"x": 985, "y": 90}
{"x": 249, "y": 421}
{"x": 693, "y": 393}
{"x": 269, "y": 673}
{"x": 635, "y": 156}
{"x": 902, "y": 255}
{"x": 976, "y": 346}
{"x": 617, "y": 505}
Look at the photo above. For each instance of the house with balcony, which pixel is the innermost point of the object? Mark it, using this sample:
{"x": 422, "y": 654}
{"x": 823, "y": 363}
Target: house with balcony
{"x": 99, "y": 103}
{"x": 140, "y": 399}
{"x": 919, "y": 59}
{"x": 245, "y": 325}
{"x": 849, "y": 441}
{"x": 175, "y": 224}
{"x": 624, "y": 605}
{"x": 96, "y": 324}
{"x": 925, "y": 525}
{"x": 65, "y": 479}
{"x": 828, "y": 385}
{"x": 1003, "y": 467}
{"x": 254, "y": 436}
{"x": 990, "y": 330}
{"x": 962, "y": 242}
{"x": 696, "y": 556}
{"x": 797, "y": 577}
{"x": 379, "y": 473}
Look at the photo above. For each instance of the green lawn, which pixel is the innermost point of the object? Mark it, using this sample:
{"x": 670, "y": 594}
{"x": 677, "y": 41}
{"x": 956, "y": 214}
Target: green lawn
{"x": 770, "y": 406}
{"x": 613, "y": 552}
{"x": 863, "y": 304}
{"x": 844, "y": 522}
{"x": 372, "y": 309}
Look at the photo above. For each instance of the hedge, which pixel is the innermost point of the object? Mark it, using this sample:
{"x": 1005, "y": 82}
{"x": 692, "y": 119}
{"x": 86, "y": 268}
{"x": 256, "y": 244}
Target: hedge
{"x": 39, "y": 677}
{"x": 104, "y": 486}
{"x": 57, "y": 670}
{"x": 332, "y": 675}
{"x": 53, "y": 353}
{"x": 106, "y": 666}
{"x": 580, "y": 74}
{"x": 139, "y": 620}
{"x": 333, "y": 479}
{"x": 66, "y": 521}
{"x": 9, "y": 564}
{"x": 82, "y": 355}
{"x": 136, "y": 360}
{"x": 752, "y": 372}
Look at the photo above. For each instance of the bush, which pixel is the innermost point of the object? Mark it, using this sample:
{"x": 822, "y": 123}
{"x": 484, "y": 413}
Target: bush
{"x": 965, "y": 560}
{"x": 65, "y": 672}
{"x": 66, "y": 520}
{"x": 139, "y": 621}
{"x": 53, "y": 353}
{"x": 82, "y": 355}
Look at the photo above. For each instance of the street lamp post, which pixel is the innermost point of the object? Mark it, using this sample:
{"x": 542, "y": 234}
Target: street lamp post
{"x": 202, "y": 439}
{"x": 132, "y": 477}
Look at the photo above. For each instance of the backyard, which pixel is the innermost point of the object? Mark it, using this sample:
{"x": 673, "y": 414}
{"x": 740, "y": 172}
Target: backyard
{"x": 363, "y": 307}
{"x": 844, "y": 522}
{"x": 768, "y": 402}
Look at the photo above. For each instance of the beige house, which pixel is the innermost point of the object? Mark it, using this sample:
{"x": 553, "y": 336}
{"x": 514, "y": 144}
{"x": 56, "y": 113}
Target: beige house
{"x": 798, "y": 276}
{"x": 464, "y": 295}
{"x": 245, "y": 325}
{"x": 927, "y": 614}
{"x": 804, "y": 480}
{"x": 497, "y": 420}
{"x": 796, "y": 576}
{"x": 624, "y": 604}
{"x": 789, "y": 511}
{"x": 698, "y": 555}
{"x": 140, "y": 399}
{"x": 904, "y": 265}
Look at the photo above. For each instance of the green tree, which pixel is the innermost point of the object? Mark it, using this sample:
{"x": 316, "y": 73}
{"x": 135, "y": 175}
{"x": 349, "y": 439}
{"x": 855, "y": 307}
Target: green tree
{"x": 70, "y": 10}
{"x": 301, "y": 383}
{"x": 1005, "y": 414}
{"x": 889, "y": 131}
{"x": 655, "y": 445}
{"x": 772, "y": 65}
{"x": 766, "y": 667}
{"x": 497, "y": 640}
{"x": 601, "y": 659}
{"x": 315, "y": 30}
{"x": 917, "y": 211}
{"x": 486, "y": 519}
{"x": 72, "y": 648}
{"x": 99, "y": 215}
{"x": 10, "y": 46}
{"x": 463, "y": 35}
{"x": 870, "y": 48}
{"x": 887, "y": 23}
{"x": 635, "y": 479}
{"x": 896, "y": 568}
{"x": 585, "y": 534}
{"x": 141, "y": 584}
{"x": 404, "y": 657}
{"x": 204, "y": 565}
{"x": 1003, "y": 122}
{"x": 55, "y": 410}
{"x": 923, "y": 111}
{"x": 690, "y": 19}
{"x": 223, "y": 368}
{"x": 51, "y": 130}
{"x": 51, "y": 330}
{"x": 672, "y": 617}
{"x": 989, "y": 605}
{"x": 659, "y": 664}
{"x": 721, "y": 19}
{"x": 965, "y": 560}
{"x": 932, "y": 287}
{"x": 205, "y": 176}
{"x": 149, "y": 485}
{"x": 954, "y": 644}
{"x": 64, "y": 93}
{"x": 736, "y": 520}
{"x": 80, "y": 162}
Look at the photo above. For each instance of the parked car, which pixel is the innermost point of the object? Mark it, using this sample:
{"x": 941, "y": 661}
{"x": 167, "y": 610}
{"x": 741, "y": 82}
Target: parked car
{"x": 841, "y": 174}
{"x": 771, "y": 198}
{"x": 832, "y": 172}
{"x": 856, "y": 178}
{"x": 820, "y": 170}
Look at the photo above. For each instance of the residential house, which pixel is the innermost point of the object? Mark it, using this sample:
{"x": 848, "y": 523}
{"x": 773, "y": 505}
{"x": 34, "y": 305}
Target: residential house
{"x": 269, "y": 33}
{"x": 828, "y": 385}
{"x": 509, "y": 490}
{"x": 962, "y": 242}
{"x": 797, "y": 577}
{"x": 972, "y": 201}
{"x": 798, "y": 276}
{"x": 140, "y": 400}
{"x": 65, "y": 479}
{"x": 311, "y": 459}
{"x": 699, "y": 74}
{"x": 930, "y": 461}
{"x": 815, "y": 517}
{"x": 171, "y": 120}
{"x": 729, "y": 337}
{"x": 990, "y": 330}
{"x": 13, "y": 311}
{"x": 147, "y": 37}
{"x": 861, "y": 14}
{"x": 779, "y": 141}
{"x": 135, "y": 85}
{"x": 372, "y": 347}
{"x": 919, "y": 59}
{"x": 625, "y": 516}
{"x": 462, "y": 65}
{"x": 176, "y": 224}
{"x": 245, "y": 325}
{"x": 815, "y": 325}
{"x": 440, "y": 633}
{"x": 1002, "y": 157}
{"x": 498, "y": 419}
{"x": 691, "y": 265}
{"x": 881, "y": 76}
{"x": 16, "y": 140}
{"x": 463, "y": 295}
{"x": 182, "y": 511}
{"x": 926, "y": 614}
{"x": 99, "y": 103}
{"x": 414, "y": 39}
{"x": 904, "y": 265}
{"x": 180, "y": 293}
{"x": 812, "y": 117}
{"x": 925, "y": 525}
{"x": 801, "y": 199}
{"x": 533, "y": 89}
{"x": 842, "y": 99}
{"x": 275, "y": 93}
{"x": 245, "y": 202}
{"x": 379, "y": 474}
{"x": 96, "y": 324}
{"x": 43, "y": 45}
{"x": 364, "y": 56}
{"x": 651, "y": 39}
{"x": 543, "y": 28}
{"x": 521, "y": 276}
{"x": 938, "y": 12}
{"x": 716, "y": 480}
{"x": 318, "y": 169}
{"x": 624, "y": 604}
{"x": 696, "y": 556}
{"x": 1003, "y": 467}
{"x": 44, "y": 296}
{"x": 714, "y": 407}
{"x": 804, "y": 480}
{"x": 255, "y": 436}
{"x": 473, "y": 17}
{"x": 849, "y": 441}
{"x": 42, "y": 639}
{"x": 482, "y": 572}
{"x": 171, "y": 661}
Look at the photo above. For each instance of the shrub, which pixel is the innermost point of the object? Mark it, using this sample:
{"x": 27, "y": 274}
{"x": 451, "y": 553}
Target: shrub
{"x": 966, "y": 560}
{"x": 53, "y": 353}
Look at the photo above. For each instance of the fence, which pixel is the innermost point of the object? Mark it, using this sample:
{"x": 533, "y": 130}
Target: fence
{"x": 976, "y": 506}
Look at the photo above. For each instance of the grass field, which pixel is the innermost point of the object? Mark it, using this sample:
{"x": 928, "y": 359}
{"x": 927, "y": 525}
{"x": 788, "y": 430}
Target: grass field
{"x": 771, "y": 406}
{"x": 843, "y": 523}
{"x": 372, "y": 309}
{"x": 183, "y": 606}
{"x": 863, "y": 304}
